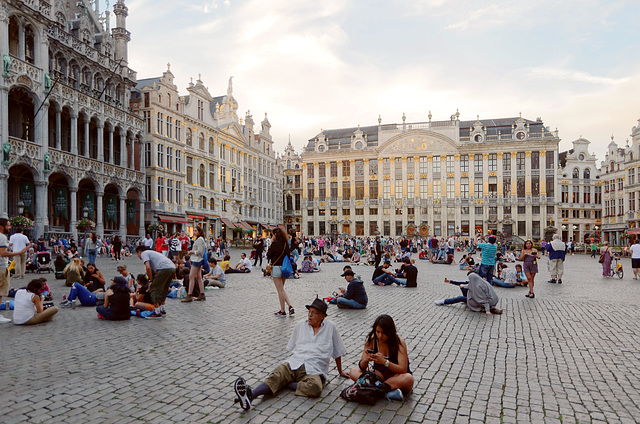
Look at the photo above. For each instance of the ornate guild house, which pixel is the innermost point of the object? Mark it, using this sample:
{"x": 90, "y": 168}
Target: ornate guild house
{"x": 71, "y": 144}
{"x": 432, "y": 178}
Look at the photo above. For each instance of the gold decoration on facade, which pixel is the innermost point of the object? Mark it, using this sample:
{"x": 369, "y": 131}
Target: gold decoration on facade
{"x": 456, "y": 156}
{"x": 410, "y": 176}
{"x": 321, "y": 204}
{"x": 528, "y": 153}
{"x": 464, "y": 174}
{"x": 359, "y": 203}
{"x": 543, "y": 153}
{"x": 485, "y": 155}
{"x": 386, "y": 177}
{"x": 450, "y": 174}
{"x": 500, "y": 154}
{"x": 493, "y": 174}
{"x": 478, "y": 201}
{"x": 334, "y": 179}
{"x": 423, "y": 176}
{"x": 513, "y": 154}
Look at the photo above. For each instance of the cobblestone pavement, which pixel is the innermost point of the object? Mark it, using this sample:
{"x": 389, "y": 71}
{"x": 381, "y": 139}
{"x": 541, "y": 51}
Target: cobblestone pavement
{"x": 569, "y": 355}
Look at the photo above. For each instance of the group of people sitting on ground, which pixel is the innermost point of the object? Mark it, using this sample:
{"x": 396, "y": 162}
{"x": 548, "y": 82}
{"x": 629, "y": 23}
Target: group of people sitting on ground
{"x": 406, "y": 275}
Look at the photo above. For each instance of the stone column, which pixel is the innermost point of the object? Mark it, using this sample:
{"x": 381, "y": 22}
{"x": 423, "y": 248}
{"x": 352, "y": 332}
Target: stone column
{"x": 123, "y": 150}
{"x": 100, "y": 141}
{"x": 86, "y": 138}
{"x": 123, "y": 218}
{"x": 73, "y": 191}
{"x": 141, "y": 232}
{"x": 42, "y": 220}
{"x": 4, "y": 196}
{"x": 74, "y": 135}
{"x": 110, "y": 159}
{"x": 58, "y": 129}
{"x": 4, "y": 116}
{"x": 132, "y": 155}
{"x": 99, "y": 215}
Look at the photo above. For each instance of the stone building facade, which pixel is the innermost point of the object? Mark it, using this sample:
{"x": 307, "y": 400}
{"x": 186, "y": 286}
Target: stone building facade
{"x": 434, "y": 177}
{"x": 580, "y": 194}
{"x": 291, "y": 164}
{"x": 70, "y": 141}
{"x": 205, "y": 166}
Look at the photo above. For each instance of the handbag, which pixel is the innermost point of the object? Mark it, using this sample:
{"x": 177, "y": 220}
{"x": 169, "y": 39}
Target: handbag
{"x": 367, "y": 390}
{"x": 601, "y": 260}
{"x": 287, "y": 269}
{"x": 270, "y": 265}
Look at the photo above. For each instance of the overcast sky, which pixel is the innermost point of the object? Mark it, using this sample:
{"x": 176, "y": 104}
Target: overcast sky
{"x": 313, "y": 64}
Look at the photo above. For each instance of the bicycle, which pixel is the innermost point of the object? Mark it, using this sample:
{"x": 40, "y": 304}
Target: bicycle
{"x": 616, "y": 267}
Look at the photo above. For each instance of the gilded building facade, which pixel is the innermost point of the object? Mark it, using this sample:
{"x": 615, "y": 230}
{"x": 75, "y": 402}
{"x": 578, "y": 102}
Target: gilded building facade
{"x": 205, "y": 166}
{"x": 70, "y": 140}
{"x": 291, "y": 164}
{"x": 434, "y": 177}
{"x": 580, "y": 194}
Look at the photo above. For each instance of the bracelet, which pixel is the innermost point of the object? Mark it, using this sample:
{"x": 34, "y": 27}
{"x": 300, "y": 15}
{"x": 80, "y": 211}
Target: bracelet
{"x": 387, "y": 364}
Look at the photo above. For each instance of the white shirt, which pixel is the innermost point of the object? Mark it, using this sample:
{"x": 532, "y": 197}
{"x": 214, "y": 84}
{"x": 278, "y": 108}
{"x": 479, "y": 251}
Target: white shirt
{"x": 635, "y": 251}
{"x": 148, "y": 242}
{"x": 19, "y": 241}
{"x": 314, "y": 351}
{"x": 247, "y": 264}
{"x": 23, "y": 307}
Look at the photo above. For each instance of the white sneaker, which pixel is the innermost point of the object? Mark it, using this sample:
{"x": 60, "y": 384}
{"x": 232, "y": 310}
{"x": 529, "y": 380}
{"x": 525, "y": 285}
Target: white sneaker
{"x": 4, "y": 320}
{"x": 439, "y": 302}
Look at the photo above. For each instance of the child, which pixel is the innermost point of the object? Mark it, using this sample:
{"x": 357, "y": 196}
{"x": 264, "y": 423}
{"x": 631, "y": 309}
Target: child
{"x": 141, "y": 299}
{"x": 521, "y": 278}
{"x": 225, "y": 263}
{"x": 131, "y": 283}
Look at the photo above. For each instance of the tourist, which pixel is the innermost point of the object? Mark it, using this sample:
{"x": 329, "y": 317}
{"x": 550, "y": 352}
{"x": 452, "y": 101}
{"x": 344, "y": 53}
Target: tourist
{"x": 407, "y": 274}
{"x": 20, "y": 243}
{"x": 312, "y": 344}
{"x": 355, "y": 296}
{"x": 478, "y": 295}
{"x": 28, "y": 307}
{"x": 117, "y": 248}
{"x": 74, "y": 272}
{"x": 91, "y": 247}
{"x": 390, "y": 358}
{"x": 384, "y": 276}
{"x": 184, "y": 244}
{"x": 141, "y": 299}
{"x": 131, "y": 282}
{"x": 243, "y": 266}
{"x": 635, "y": 257}
{"x": 605, "y": 254}
{"x": 277, "y": 250}
{"x": 506, "y": 277}
{"x": 529, "y": 257}
{"x": 93, "y": 279}
{"x": 216, "y": 277}
{"x": 31, "y": 263}
{"x": 162, "y": 245}
{"x": 160, "y": 271}
{"x": 116, "y": 301}
{"x": 258, "y": 246}
{"x": 197, "y": 254}
{"x": 487, "y": 258}
{"x": 86, "y": 297}
{"x": 557, "y": 251}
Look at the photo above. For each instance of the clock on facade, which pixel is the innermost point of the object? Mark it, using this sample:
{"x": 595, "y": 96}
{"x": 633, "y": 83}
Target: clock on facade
{"x": 358, "y": 145}
{"x": 520, "y": 135}
{"x": 321, "y": 148}
{"x": 477, "y": 138}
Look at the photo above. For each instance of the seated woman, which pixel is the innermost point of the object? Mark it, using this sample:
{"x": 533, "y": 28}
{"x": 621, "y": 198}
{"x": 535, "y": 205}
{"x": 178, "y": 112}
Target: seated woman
{"x": 225, "y": 263}
{"x": 116, "y": 301}
{"x": 93, "y": 280}
{"x": 73, "y": 272}
{"x": 371, "y": 259}
{"x": 59, "y": 264}
{"x": 355, "y": 258}
{"x": 424, "y": 255}
{"x": 28, "y": 306}
{"x": 388, "y": 352}
{"x": 506, "y": 277}
{"x": 463, "y": 262}
{"x": 347, "y": 255}
{"x": 307, "y": 266}
{"x": 510, "y": 256}
{"x": 141, "y": 299}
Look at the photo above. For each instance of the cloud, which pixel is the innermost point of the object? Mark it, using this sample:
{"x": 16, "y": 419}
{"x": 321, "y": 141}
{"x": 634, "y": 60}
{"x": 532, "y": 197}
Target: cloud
{"x": 572, "y": 75}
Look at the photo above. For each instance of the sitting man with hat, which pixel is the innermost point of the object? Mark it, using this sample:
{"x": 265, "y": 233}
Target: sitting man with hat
{"x": 312, "y": 344}
{"x": 355, "y": 296}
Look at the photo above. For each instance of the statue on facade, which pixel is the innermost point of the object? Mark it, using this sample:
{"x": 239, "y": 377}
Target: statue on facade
{"x": 7, "y": 64}
{"x": 6, "y": 150}
{"x": 47, "y": 162}
{"x": 47, "y": 82}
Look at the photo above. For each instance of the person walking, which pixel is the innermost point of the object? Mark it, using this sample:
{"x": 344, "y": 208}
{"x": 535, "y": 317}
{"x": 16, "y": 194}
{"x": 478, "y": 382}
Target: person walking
{"x": 277, "y": 250}
{"x": 197, "y": 254}
{"x": 259, "y": 248}
{"x": 117, "y": 247}
{"x": 605, "y": 254}
{"x": 594, "y": 248}
{"x": 18, "y": 242}
{"x": 557, "y": 251}
{"x": 91, "y": 246}
{"x": 529, "y": 256}
{"x": 635, "y": 257}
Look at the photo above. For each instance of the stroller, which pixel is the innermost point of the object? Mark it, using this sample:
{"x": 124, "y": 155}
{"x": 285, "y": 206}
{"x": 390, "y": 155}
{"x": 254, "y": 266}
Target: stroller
{"x": 44, "y": 262}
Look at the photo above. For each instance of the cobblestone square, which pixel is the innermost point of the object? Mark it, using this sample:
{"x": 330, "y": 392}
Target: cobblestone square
{"x": 569, "y": 355}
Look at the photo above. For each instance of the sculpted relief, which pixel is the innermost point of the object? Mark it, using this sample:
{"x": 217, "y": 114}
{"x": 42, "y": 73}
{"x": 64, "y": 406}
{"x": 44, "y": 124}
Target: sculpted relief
{"x": 420, "y": 144}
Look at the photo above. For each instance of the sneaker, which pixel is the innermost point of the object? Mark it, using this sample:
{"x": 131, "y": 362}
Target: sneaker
{"x": 395, "y": 395}
{"x": 439, "y": 302}
{"x": 243, "y": 393}
{"x": 560, "y": 281}
{"x": 101, "y": 317}
{"x": 187, "y": 299}
{"x": 200, "y": 297}
{"x": 65, "y": 304}
{"x": 4, "y": 320}
{"x": 291, "y": 310}
{"x": 154, "y": 314}
{"x": 163, "y": 312}
{"x": 280, "y": 314}
{"x": 552, "y": 281}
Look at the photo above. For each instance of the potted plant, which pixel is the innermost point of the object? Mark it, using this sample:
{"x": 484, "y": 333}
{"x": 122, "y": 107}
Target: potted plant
{"x": 20, "y": 222}
{"x": 85, "y": 224}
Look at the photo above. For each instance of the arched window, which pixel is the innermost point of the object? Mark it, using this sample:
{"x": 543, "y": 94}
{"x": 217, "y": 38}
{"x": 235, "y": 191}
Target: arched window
{"x": 288, "y": 163}
{"x": 576, "y": 173}
{"x": 211, "y": 146}
{"x": 169, "y": 99}
{"x": 201, "y": 141}
{"x": 613, "y": 167}
{"x": 203, "y": 202}
{"x": 189, "y": 137}
{"x": 159, "y": 98}
{"x": 212, "y": 204}
{"x": 190, "y": 200}
{"x": 29, "y": 44}
{"x": 586, "y": 174}
{"x": 201, "y": 176}
{"x": 14, "y": 36}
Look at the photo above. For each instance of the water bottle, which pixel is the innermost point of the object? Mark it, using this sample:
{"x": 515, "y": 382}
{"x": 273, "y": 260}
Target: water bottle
{"x": 7, "y": 305}
{"x": 145, "y": 314}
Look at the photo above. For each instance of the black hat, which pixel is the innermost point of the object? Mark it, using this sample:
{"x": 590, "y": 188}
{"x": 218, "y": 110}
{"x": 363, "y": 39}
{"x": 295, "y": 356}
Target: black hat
{"x": 319, "y": 305}
{"x": 348, "y": 272}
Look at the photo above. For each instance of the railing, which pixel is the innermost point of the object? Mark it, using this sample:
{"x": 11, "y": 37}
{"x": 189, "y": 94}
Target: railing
{"x": 20, "y": 67}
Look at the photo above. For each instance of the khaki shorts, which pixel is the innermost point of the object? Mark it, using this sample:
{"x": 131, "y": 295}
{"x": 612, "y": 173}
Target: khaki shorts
{"x": 308, "y": 385}
{"x": 556, "y": 266}
{"x": 4, "y": 282}
{"x": 160, "y": 285}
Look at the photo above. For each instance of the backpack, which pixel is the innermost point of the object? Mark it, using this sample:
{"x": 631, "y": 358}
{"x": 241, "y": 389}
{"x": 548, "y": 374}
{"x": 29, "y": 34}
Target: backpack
{"x": 367, "y": 390}
{"x": 205, "y": 263}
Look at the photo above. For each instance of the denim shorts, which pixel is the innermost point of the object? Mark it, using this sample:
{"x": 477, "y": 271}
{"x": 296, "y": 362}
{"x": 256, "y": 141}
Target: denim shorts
{"x": 197, "y": 264}
{"x": 276, "y": 271}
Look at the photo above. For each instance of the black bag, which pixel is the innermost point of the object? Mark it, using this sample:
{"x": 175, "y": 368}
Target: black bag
{"x": 601, "y": 260}
{"x": 367, "y": 390}
{"x": 60, "y": 275}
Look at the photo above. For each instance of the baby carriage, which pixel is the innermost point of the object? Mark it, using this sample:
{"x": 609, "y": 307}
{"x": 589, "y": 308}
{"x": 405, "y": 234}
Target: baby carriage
{"x": 44, "y": 262}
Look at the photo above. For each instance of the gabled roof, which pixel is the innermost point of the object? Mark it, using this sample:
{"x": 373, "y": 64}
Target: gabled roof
{"x": 147, "y": 82}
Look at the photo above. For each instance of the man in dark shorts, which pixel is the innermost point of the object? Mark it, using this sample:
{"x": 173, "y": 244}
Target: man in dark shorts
{"x": 160, "y": 271}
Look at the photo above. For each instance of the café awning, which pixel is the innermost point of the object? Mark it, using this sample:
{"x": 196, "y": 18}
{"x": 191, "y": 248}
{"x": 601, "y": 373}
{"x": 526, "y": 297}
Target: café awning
{"x": 172, "y": 219}
{"x": 245, "y": 226}
{"x": 228, "y": 223}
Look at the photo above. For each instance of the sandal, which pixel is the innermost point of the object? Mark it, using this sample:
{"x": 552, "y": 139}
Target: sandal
{"x": 530, "y": 295}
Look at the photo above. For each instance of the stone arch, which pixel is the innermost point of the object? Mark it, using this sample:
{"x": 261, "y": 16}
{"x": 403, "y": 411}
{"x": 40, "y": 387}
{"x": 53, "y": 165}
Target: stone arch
{"x": 87, "y": 188}
{"x": 54, "y": 109}
{"x": 22, "y": 107}
{"x": 132, "y": 214}
{"x": 21, "y": 188}
{"x": 59, "y": 205}
{"x": 111, "y": 207}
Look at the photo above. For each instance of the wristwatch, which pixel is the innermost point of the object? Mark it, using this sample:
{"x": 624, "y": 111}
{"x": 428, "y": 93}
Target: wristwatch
{"x": 387, "y": 364}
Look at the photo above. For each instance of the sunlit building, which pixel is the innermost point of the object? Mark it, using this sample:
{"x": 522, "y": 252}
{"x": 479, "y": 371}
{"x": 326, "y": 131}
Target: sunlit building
{"x": 433, "y": 177}
{"x": 291, "y": 164}
{"x": 70, "y": 141}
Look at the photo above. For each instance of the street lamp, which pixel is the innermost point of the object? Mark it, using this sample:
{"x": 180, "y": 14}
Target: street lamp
{"x": 85, "y": 215}
{"x": 20, "y": 207}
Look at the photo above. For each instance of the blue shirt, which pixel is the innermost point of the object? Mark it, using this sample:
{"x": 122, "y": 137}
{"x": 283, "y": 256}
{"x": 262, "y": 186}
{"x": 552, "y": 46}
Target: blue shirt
{"x": 488, "y": 253}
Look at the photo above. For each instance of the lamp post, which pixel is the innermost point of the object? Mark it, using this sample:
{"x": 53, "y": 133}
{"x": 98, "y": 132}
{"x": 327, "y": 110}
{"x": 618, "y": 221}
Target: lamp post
{"x": 20, "y": 207}
{"x": 85, "y": 215}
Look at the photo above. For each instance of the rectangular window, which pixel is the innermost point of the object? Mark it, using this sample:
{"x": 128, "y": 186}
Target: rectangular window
{"x": 493, "y": 162}
{"x": 223, "y": 179}
{"x": 310, "y": 212}
{"x": 451, "y": 187}
{"x": 310, "y": 191}
{"x": 535, "y": 185}
{"x": 346, "y": 212}
{"x": 373, "y": 167}
{"x": 146, "y": 99}
{"x": 322, "y": 191}
{"x": 169, "y": 190}
{"x": 147, "y": 155}
{"x": 212, "y": 176}
{"x": 386, "y": 189}
{"x": 386, "y": 228}
{"x": 464, "y": 163}
{"x": 576, "y": 194}
{"x": 464, "y": 188}
{"x": 373, "y": 211}
{"x": 549, "y": 159}
{"x": 359, "y": 211}
{"x": 520, "y": 187}
{"x": 450, "y": 164}
{"x": 411, "y": 188}
{"x": 169, "y": 126}
{"x": 520, "y": 158}
{"x": 346, "y": 168}
{"x": 359, "y": 169}
{"x": 477, "y": 164}
{"x": 147, "y": 119}
{"x": 522, "y": 228}
{"x": 386, "y": 166}
{"x": 310, "y": 228}
{"x": 587, "y": 195}
{"x": 411, "y": 166}
{"x": 437, "y": 228}
{"x": 551, "y": 191}
{"x": 160, "y": 155}
{"x": 161, "y": 189}
{"x": 437, "y": 189}
{"x": 398, "y": 189}
{"x": 477, "y": 187}
{"x": 373, "y": 189}
{"x": 597, "y": 195}
{"x": 333, "y": 191}
{"x": 321, "y": 170}
{"x": 535, "y": 160}
{"x": 160, "y": 124}
{"x": 346, "y": 190}
{"x": 333, "y": 169}
{"x": 178, "y": 125}
{"x": 436, "y": 166}
{"x": 423, "y": 164}
{"x": 506, "y": 186}
{"x": 147, "y": 188}
{"x": 424, "y": 188}
{"x": 169, "y": 157}
{"x": 321, "y": 212}
{"x": 179, "y": 192}
{"x": 398, "y": 169}
{"x": 506, "y": 163}
{"x": 398, "y": 228}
